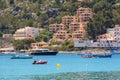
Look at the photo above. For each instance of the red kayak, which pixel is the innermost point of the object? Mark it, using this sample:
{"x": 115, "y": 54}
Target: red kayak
{"x": 40, "y": 62}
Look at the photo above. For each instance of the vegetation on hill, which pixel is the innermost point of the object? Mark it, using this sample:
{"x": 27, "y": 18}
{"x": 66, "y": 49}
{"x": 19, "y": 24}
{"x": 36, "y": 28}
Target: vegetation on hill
{"x": 16, "y": 14}
{"x": 106, "y": 16}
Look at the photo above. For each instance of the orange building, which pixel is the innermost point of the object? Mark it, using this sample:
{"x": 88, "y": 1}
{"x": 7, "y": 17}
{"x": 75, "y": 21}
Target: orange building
{"x": 74, "y": 26}
{"x": 105, "y": 37}
{"x": 55, "y": 27}
{"x": 60, "y": 36}
{"x": 66, "y": 20}
{"x": 84, "y": 0}
{"x": 80, "y": 0}
{"x": 39, "y": 45}
{"x": 81, "y": 10}
{"x": 84, "y": 14}
{"x": 7, "y": 35}
{"x": 79, "y": 33}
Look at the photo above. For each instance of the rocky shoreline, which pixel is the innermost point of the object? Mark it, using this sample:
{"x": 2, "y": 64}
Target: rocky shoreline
{"x": 93, "y": 51}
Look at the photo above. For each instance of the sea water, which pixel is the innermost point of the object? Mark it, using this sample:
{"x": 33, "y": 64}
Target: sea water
{"x": 72, "y": 67}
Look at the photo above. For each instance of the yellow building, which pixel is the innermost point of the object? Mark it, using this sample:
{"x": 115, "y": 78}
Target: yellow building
{"x": 84, "y": 14}
{"x": 79, "y": 34}
{"x": 39, "y": 45}
{"x": 60, "y": 36}
{"x": 74, "y": 26}
{"x": 26, "y": 33}
{"x": 66, "y": 20}
{"x": 56, "y": 27}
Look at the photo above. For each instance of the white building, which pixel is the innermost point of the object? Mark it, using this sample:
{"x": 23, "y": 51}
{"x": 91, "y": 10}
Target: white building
{"x": 7, "y": 50}
{"x": 81, "y": 43}
{"x": 26, "y": 33}
{"x": 7, "y": 35}
{"x": 90, "y": 43}
{"x": 109, "y": 39}
{"x": 117, "y": 33}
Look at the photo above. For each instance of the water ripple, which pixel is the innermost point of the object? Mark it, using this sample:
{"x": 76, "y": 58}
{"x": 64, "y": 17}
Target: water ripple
{"x": 70, "y": 76}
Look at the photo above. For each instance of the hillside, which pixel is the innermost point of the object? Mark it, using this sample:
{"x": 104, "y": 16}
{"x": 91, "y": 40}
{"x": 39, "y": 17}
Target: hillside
{"x": 16, "y": 14}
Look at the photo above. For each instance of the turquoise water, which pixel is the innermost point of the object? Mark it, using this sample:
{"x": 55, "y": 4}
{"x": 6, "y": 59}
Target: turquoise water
{"x": 73, "y": 67}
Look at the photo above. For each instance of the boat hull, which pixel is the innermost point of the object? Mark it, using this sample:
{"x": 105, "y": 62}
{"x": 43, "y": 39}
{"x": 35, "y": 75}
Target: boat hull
{"x": 45, "y": 53}
{"x": 87, "y": 56}
{"x": 103, "y": 56}
{"x": 21, "y": 57}
{"x": 40, "y": 62}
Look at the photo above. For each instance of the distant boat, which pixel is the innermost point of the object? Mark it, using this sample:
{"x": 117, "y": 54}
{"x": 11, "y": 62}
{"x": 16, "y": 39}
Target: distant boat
{"x": 17, "y": 56}
{"x": 10, "y": 54}
{"x": 43, "y": 52}
{"x": 40, "y": 62}
{"x": 105, "y": 55}
{"x": 87, "y": 55}
{"x": 115, "y": 51}
{"x": 7, "y": 50}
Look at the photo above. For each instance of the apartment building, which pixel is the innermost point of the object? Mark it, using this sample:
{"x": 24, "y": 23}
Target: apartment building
{"x": 26, "y": 33}
{"x": 105, "y": 37}
{"x": 66, "y": 20}
{"x": 74, "y": 26}
{"x": 60, "y": 36}
{"x": 116, "y": 32}
{"x": 112, "y": 33}
{"x": 56, "y": 27}
{"x": 84, "y": 43}
{"x": 84, "y": 14}
{"x": 79, "y": 34}
{"x": 82, "y": 10}
{"x": 39, "y": 45}
{"x": 105, "y": 40}
{"x": 7, "y": 36}
{"x": 84, "y": 0}
{"x": 109, "y": 39}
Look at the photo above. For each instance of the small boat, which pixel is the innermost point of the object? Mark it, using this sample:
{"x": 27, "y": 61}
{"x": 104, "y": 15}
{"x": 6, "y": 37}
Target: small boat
{"x": 105, "y": 55}
{"x": 113, "y": 51}
{"x": 21, "y": 57}
{"x": 3, "y": 54}
{"x": 87, "y": 55}
{"x": 40, "y": 62}
{"x": 43, "y": 52}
